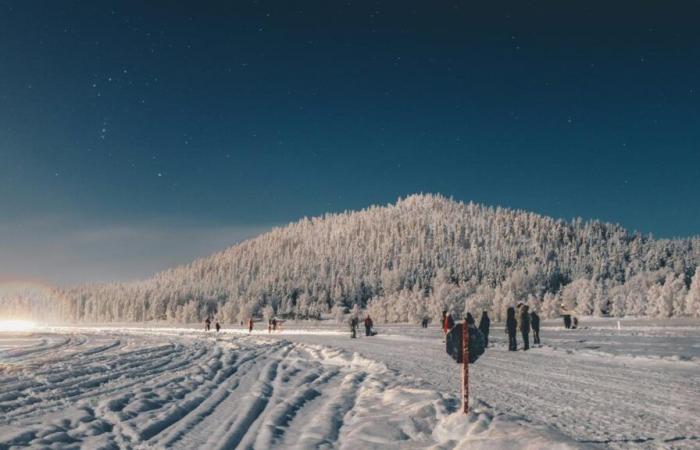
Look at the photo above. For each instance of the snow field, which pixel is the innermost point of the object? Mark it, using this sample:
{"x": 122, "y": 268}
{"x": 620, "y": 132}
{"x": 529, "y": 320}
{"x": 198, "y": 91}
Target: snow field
{"x": 116, "y": 389}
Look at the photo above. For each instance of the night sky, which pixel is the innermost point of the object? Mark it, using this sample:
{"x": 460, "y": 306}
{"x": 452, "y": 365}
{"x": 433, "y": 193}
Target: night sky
{"x": 136, "y": 137}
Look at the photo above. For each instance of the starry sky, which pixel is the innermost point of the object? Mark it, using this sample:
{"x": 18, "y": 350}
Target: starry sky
{"x": 138, "y": 135}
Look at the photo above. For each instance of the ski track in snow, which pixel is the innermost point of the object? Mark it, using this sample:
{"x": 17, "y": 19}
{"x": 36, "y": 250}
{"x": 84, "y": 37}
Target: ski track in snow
{"x": 612, "y": 398}
{"x": 102, "y": 389}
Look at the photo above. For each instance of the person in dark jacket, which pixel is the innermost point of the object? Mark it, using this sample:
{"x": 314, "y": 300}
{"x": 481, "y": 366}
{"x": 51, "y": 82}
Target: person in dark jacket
{"x": 353, "y": 327}
{"x": 217, "y": 325}
{"x": 511, "y": 328}
{"x": 524, "y": 324}
{"x": 567, "y": 321}
{"x": 207, "y": 324}
{"x": 484, "y": 325}
{"x": 535, "y": 324}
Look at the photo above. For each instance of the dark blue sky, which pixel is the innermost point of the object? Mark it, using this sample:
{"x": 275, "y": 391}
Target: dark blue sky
{"x": 201, "y": 124}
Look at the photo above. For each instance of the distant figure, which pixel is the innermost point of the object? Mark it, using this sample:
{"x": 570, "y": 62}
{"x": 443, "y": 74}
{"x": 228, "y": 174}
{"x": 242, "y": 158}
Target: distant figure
{"x": 511, "y": 328}
{"x": 525, "y": 326}
{"x": 368, "y": 326}
{"x": 353, "y": 327}
{"x": 470, "y": 319}
{"x": 207, "y": 324}
{"x": 250, "y": 325}
{"x": 424, "y": 322}
{"x": 269, "y": 325}
{"x": 484, "y": 325}
{"x": 567, "y": 321}
{"x": 448, "y": 322}
{"x": 535, "y": 324}
{"x": 574, "y": 323}
{"x": 274, "y": 324}
{"x": 217, "y": 325}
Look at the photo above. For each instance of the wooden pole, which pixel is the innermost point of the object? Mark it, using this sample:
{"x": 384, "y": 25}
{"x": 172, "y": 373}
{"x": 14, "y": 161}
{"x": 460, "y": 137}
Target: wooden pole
{"x": 465, "y": 368}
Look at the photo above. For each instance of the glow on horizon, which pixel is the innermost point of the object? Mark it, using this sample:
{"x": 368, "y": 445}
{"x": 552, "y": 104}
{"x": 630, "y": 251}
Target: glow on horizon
{"x": 15, "y": 325}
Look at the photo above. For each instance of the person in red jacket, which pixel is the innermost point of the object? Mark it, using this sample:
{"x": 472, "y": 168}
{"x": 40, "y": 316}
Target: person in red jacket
{"x": 447, "y": 322}
{"x": 368, "y": 326}
{"x": 250, "y": 325}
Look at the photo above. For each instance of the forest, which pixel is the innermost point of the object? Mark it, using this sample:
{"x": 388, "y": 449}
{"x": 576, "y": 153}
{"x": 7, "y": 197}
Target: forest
{"x": 402, "y": 262}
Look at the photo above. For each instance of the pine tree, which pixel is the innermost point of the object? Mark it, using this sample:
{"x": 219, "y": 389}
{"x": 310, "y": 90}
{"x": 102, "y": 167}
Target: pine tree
{"x": 692, "y": 299}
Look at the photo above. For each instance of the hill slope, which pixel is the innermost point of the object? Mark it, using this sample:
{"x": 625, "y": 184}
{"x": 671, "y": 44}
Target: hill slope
{"x": 416, "y": 257}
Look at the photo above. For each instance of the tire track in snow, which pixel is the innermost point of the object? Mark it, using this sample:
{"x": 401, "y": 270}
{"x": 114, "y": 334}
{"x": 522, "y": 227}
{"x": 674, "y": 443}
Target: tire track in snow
{"x": 134, "y": 390}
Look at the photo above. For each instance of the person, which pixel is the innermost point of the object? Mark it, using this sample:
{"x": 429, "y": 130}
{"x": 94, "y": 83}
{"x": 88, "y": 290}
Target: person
{"x": 524, "y": 324}
{"x": 269, "y": 325}
{"x": 353, "y": 327}
{"x": 484, "y": 325}
{"x": 250, "y": 325}
{"x": 567, "y": 321}
{"x": 368, "y": 326}
{"x": 218, "y": 326}
{"x": 448, "y": 322}
{"x": 207, "y": 324}
{"x": 511, "y": 326}
{"x": 274, "y": 324}
{"x": 477, "y": 343}
{"x": 574, "y": 323}
{"x": 535, "y": 324}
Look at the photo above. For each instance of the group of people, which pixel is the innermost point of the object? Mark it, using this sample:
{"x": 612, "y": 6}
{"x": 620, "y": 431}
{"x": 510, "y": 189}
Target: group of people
{"x": 207, "y": 324}
{"x": 448, "y": 323}
{"x": 521, "y": 319}
{"x": 518, "y": 318}
{"x": 271, "y": 324}
{"x": 355, "y": 323}
{"x": 570, "y": 322}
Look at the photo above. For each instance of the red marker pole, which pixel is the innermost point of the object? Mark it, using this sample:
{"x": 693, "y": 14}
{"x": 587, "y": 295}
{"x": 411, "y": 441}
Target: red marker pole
{"x": 465, "y": 368}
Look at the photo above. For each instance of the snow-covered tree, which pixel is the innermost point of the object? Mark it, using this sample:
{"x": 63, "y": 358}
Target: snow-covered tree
{"x": 692, "y": 299}
{"x": 550, "y": 305}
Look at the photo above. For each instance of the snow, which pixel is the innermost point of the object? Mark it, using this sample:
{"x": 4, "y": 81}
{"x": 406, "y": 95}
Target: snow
{"x": 311, "y": 386}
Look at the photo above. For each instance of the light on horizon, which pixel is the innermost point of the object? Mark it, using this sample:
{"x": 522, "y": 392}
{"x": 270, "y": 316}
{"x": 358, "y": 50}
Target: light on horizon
{"x": 15, "y": 325}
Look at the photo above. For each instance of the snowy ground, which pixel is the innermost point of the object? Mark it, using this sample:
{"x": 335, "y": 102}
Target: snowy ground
{"x": 313, "y": 387}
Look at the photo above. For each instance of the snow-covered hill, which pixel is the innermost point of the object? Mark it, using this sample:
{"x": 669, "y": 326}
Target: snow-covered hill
{"x": 417, "y": 257}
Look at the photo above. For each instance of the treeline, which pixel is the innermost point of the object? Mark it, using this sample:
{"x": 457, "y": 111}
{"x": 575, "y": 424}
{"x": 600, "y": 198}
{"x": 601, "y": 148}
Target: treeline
{"x": 424, "y": 254}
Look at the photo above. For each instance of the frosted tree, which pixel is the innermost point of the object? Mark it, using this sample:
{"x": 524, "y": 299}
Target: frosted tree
{"x": 601, "y": 300}
{"x": 356, "y": 311}
{"x": 338, "y": 313}
{"x": 550, "y": 305}
{"x": 692, "y": 299}
{"x": 577, "y": 296}
{"x": 481, "y": 300}
{"x": 678, "y": 293}
{"x": 655, "y": 301}
{"x": 268, "y": 313}
{"x": 534, "y": 303}
{"x": 669, "y": 297}
{"x": 617, "y": 301}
